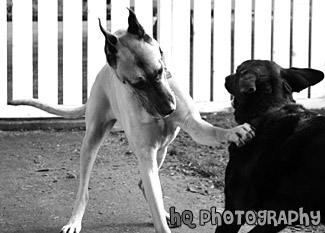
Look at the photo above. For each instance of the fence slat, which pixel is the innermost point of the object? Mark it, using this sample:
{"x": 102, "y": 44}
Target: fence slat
{"x": 262, "y": 32}
{"x": 48, "y": 51}
{"x": 3, "y": 54}
{"x": 144, "y": 11}
{"x": 243, "y": 32}
{"x": 164, "y": 32}
{"x": 22, "y": 51}
{"x": 222, "y": 48}
{"x": 72, "y": 52}
{"x": 96, "y": 56}
{"x": 281, "y": 33}
{"x": 318, "y": 45}
{"x": 119, "y": 14}
{"x": 180, "y": 64}
{"x": 300, "y": 38}
{"x": 202, "y": 50}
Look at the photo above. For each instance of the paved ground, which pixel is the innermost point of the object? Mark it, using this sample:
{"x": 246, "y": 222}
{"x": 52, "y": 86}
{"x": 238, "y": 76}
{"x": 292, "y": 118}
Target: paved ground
{"x": 39, "y": 178}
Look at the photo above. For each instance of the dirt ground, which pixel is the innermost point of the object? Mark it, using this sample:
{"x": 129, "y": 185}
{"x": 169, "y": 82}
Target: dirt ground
{"x": 39, "y": 178}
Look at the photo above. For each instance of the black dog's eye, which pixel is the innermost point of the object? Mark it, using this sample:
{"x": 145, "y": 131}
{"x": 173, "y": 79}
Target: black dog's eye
{"x": 243, "y": 72}
{"x": 160, "y": 71}
{"x": 140, "y": 85}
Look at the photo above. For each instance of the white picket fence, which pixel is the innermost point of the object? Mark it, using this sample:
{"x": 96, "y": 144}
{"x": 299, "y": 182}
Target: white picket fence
{"x": 203, "y": 41}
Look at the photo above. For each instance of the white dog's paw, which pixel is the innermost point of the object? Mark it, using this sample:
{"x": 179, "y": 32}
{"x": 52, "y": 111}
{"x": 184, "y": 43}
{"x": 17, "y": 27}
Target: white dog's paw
{"x": 170, "y": 225}
{"x": 71, "y": 228}
{"x": 241, "y": 134}
{"x": 167, "y": 216}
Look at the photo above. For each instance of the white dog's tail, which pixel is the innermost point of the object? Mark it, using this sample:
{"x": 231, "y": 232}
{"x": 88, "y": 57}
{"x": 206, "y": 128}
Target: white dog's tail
{"x": 66, "y": 112}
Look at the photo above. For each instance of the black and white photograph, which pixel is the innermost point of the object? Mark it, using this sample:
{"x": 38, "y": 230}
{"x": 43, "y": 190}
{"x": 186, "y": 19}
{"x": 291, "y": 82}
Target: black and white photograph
{"x": 165, "y": 116}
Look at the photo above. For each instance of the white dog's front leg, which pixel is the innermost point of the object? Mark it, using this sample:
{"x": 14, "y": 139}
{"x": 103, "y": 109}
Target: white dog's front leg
{"x": 161, "y": 154}
{"x": 149, "y": 174}
{"x": 90, "y": 146}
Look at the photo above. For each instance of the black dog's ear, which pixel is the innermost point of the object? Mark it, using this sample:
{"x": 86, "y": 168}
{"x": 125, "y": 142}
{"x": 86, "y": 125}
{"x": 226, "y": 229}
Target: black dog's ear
{"x": 135, "y": 27}
{"x": 230, "y": 84}
{"x": 300, "y": 79}
{"x": 110, "y": 45}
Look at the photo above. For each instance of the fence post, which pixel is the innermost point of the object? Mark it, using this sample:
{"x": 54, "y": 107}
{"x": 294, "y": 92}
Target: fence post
{"x": 318, "y": 44}
{"x": 96, "y": 41}
{"x": 300, "y": 38}
{"x": 262, "y": 30}
{"x": 164, "y": 32}
{"x": 119, "y": 14}
{"x": 202, "y": 51}
{"x": 3, "y": 54}
{"x": 180, "y": 29}
{"x": 48, "y": 51}
{"x": 222, "y": 48}
{"x": 144, "y": 11}
{"x": 22, "y": 49}
{"x": 281, "y": 34}
{"x": 72, "y": 52}
{"x": 243, "y": 31}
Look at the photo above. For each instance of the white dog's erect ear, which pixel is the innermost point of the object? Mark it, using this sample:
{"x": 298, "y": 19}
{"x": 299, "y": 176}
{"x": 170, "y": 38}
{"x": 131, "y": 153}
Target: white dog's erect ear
{"x": 300, "y": 79}
{"x": 110, "y": 45}
{"x": 135, "y": 27}
{"x": 110, "y": 38}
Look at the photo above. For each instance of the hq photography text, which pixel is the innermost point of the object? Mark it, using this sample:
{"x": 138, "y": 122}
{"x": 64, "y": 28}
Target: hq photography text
{"x": 250, "y": 217}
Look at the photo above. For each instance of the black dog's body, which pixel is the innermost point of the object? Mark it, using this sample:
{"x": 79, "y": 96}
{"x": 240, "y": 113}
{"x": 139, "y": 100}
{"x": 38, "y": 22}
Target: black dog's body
{"x": 283, "y": 167}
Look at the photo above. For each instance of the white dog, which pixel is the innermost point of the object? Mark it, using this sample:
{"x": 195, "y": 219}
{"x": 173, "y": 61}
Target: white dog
{"x": 135, "y": 88}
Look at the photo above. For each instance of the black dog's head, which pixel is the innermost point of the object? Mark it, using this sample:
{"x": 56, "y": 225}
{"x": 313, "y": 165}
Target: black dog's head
{"x": 260, "y": 85}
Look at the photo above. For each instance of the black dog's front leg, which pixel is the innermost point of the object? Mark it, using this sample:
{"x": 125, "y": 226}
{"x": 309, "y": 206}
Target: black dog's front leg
{"x": 232, "y": 226}
{"x": 267, "y": 229}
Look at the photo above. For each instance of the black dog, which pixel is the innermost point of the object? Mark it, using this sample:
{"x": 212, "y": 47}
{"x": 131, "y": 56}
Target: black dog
{"x": 283, "y": 168}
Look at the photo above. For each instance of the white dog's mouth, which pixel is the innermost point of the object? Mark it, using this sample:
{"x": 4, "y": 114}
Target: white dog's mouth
{"x": 163, "y": 112}
{"x": 157, "y": 109}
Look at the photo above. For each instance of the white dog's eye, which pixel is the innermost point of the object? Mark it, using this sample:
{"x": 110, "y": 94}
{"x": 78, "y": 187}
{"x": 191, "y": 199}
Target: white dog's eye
{"x": 141, "y": 85}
